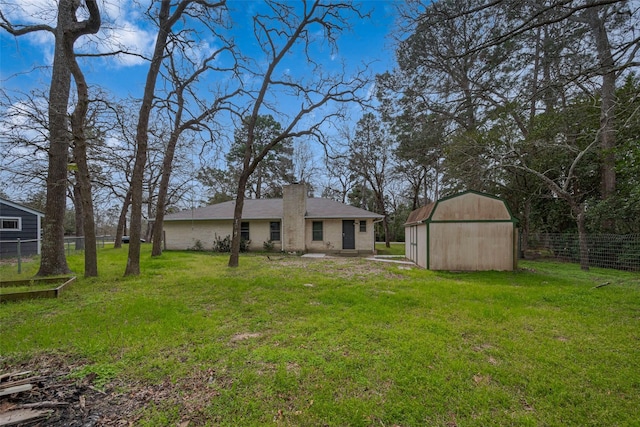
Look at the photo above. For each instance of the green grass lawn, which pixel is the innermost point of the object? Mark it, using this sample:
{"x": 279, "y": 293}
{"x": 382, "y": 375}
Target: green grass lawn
{"x": 397, "y": 248}
{"x": 343, "y": 341}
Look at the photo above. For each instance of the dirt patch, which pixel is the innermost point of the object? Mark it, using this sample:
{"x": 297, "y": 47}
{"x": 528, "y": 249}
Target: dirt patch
{"x": 244, "y": 336}
{"x": 73, "y": 402}
{"x": 341, "y": 267}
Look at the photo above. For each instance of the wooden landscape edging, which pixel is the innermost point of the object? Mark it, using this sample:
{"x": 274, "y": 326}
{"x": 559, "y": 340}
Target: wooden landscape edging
{"x": 42, "y": 293}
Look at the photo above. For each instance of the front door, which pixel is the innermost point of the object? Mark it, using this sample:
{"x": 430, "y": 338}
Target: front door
{"x": 348, "y": 234}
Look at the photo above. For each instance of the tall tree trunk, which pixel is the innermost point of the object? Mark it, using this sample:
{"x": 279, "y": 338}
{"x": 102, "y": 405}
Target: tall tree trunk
{"x": 142, "y": 138}
{"x": 579, "y": 211}
{"x": 167, "y": 166}
{"x": 77, "y": 203}
{"x": 149, "y": 229}
{"x": 80, "y": 153}
{"x": 86, "y": 201}
{"x": 67, "y": 31}
{"x": 385, "y": 225}
{"x": 607, "y": 107}
{"x": 525, "y": 228}
{"x": 121, "y": 229}
{"x": 53, "y": 260}
{"x": 234, "y": 258}
{"x": 385, "y": 220}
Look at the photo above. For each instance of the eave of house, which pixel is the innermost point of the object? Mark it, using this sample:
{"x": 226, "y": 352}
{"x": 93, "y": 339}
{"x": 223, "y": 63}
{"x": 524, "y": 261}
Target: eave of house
{"x": 22, "y": 208}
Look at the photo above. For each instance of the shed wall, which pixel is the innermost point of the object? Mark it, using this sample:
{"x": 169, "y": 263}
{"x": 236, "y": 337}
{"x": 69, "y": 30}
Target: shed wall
{"x": 416, "y": 244}
{"x": 470, "y": 246}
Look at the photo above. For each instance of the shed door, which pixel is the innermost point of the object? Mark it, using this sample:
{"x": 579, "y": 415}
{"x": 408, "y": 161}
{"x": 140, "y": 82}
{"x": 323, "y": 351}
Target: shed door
{"x": 348, "y": 234}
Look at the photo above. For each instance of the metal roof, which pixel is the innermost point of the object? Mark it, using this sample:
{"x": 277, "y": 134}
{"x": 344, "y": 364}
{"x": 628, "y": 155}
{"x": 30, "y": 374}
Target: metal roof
{"x": 420, "y": 214}
{"x": 317, "y": 208}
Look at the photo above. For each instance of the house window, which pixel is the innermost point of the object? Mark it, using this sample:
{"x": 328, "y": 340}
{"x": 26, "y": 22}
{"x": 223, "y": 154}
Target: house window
{"x": 10, "y": 224}
{"x": 317, "y": 230}
{"x": 244, "y": 231}
{"x": 274, "y": 228}
{"x": 363, "y": 225}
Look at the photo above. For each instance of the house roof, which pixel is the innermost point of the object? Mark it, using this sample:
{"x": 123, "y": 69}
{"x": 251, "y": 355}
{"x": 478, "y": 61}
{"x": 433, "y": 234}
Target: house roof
{"x": 317, "y": 208}
{"x": 22, "y": 208}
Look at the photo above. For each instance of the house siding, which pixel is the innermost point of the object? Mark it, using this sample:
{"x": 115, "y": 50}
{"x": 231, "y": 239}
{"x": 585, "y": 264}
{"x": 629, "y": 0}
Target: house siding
{"x": 296, "y": 214}
{"x": 332, "y": 236}
{"x": 29, "y": 231}
{"x": 182, "y": 235}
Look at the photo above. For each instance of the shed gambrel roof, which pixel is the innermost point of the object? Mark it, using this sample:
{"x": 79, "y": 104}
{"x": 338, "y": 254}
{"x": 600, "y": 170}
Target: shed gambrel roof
{"x": 427, "y": 212}
{"x": 317, "y": 208}
{"x": 420, "y": 214}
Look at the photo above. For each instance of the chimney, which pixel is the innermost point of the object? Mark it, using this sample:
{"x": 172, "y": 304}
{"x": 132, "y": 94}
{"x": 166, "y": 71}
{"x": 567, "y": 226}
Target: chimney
{"x": 294, "y": 205}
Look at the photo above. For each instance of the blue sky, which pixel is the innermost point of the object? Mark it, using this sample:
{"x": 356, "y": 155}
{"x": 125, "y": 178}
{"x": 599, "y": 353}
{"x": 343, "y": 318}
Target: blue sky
{"x": 22, "y": 57}
{"x": 23, "y": 60}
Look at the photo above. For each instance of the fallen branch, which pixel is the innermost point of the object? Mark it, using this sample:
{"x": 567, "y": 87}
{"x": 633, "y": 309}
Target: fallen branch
{"x": 13, "y": 374}
{"x": 17, "y": 389}
{"x": 9, "y": 384}
{"x": 601, "y": 285}
{"x": 42, "y": 405}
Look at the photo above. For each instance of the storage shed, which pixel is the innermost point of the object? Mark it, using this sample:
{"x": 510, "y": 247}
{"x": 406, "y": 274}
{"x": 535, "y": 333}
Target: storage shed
{"x": 470, "y": 231}
{"x": 19, "y": 224}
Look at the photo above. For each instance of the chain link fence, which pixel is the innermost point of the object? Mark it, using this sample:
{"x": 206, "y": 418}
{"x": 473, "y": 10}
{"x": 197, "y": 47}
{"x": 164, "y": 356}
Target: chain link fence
{"x": 620, "y": 252}
{"x": 14, "y": 252}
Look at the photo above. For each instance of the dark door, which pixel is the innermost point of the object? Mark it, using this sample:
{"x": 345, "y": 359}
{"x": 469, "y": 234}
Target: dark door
{"x": 348, "y": 234}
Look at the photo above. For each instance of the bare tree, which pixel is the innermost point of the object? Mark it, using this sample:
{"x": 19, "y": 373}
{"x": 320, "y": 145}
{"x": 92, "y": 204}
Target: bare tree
{"x": 283, "y": 28}
{"x": 24, "y": 139}
{"x": 78, "y": 119}
{"x": 168, "y": 15}
{"x": 339, "y": 182}
{"x": 305, "y": 168}
{"x": 564, "y": 186}
{"x": 66, "y": 32}
{"x": 370, "y": 155}
{"x": 188, "y": 111}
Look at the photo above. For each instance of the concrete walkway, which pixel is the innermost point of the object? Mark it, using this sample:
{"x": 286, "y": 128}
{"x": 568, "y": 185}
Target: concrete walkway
{"x": 391, "y": 260}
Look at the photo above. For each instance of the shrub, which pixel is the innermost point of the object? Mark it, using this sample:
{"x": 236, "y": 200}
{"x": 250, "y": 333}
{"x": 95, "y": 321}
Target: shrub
{"x": 197, "y": 246}
{"x": 224, "y": 245}
{"x": 268, "y": 246}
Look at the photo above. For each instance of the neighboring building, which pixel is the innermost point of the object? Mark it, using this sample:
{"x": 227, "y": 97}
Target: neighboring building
{"x": 19, "y": 222}
{"x": 294, "y": 223}
{"x": 469, "y": 231}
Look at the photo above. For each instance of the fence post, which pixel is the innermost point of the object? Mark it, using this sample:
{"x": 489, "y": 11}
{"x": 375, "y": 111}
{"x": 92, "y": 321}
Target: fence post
{"x": 19, "y": 258}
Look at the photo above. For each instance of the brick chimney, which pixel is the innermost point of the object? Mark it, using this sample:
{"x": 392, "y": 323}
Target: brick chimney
{"x": 294, "y": 205}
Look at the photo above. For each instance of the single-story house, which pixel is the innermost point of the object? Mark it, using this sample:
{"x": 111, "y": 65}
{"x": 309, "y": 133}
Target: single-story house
{"x": 470, "y": 231}
{"x": 294, "y": 223}
{"x": 19, "y": 223}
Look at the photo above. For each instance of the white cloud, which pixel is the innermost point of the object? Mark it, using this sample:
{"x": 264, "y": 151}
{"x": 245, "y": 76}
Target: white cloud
{"x": 120, "y": 29}
{"x": 371, "y": 92}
